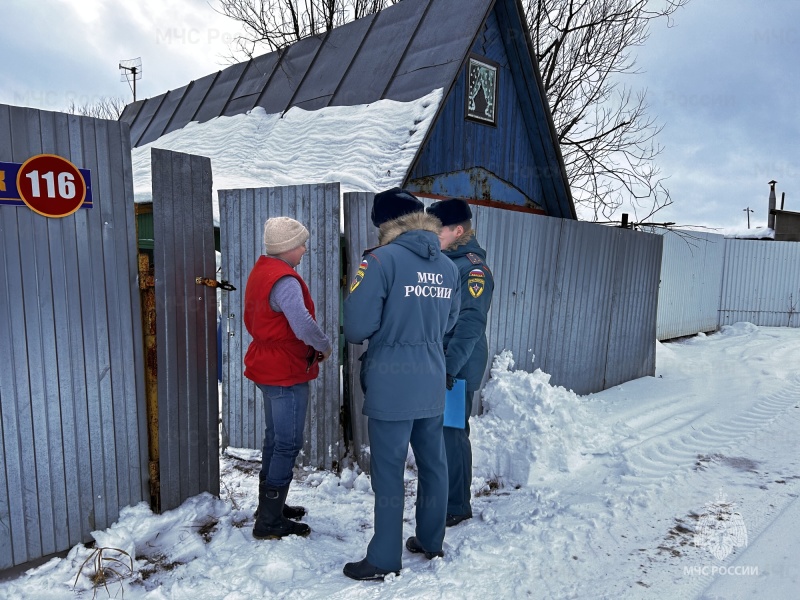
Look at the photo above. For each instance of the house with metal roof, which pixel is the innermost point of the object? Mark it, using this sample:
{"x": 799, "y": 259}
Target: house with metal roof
{"x": 491, "y": 139}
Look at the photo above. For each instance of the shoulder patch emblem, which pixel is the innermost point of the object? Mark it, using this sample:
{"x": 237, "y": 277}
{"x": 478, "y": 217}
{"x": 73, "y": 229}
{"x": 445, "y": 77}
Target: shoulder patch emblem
{"x": 476, "y": 285}
{"x": 362, "y": 268}
{"x": 474, "y": 258}
{"x": 476, "y": 273}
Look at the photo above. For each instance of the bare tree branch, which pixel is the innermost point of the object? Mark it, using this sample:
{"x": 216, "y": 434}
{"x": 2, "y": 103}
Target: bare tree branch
{"x": 607, "y": 138}
{"x": 279, "y": 23}
{"x": 105, "y": 108}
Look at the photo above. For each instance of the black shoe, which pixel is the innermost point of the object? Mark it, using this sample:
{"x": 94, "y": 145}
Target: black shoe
{"x": 413, "y": 545}
{"x": 271, "y": 524}
{"x": 456, "y": 519}
{"x": 364, "y": 571}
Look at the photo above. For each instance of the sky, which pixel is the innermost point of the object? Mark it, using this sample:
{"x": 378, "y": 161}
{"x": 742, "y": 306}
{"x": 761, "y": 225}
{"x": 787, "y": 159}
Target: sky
{"x": 721, "y": 81}
{"x": 681, "y": 485}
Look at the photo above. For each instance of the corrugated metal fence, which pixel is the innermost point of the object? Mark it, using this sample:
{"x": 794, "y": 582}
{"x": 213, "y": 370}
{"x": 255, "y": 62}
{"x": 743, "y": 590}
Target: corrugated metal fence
{"x": 761, "y": 283}
{"x": 691, "y": 279}
{"x": 73, "y": 443}
{"x": 242, "y": 217}
{"x": 580, "y": 298}
{"x": 708, "y": 281}
{"x": 577, "y": 300}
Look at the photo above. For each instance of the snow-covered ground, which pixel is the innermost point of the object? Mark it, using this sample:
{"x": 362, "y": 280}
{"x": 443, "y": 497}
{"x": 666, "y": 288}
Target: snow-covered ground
{"x": 682, "y": 485}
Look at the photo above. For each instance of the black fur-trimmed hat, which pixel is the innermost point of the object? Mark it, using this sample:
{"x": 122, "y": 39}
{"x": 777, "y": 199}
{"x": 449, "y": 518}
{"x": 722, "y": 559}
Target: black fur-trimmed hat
{"x": 392, "y": 204}
{"x": 451, "y": 211}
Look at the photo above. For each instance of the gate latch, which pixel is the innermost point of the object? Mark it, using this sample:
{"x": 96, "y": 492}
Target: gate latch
{"x": 223, "y": 285}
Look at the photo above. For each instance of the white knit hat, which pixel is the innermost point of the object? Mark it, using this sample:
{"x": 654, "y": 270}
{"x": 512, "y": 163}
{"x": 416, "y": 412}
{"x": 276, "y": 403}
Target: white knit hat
{"x": 282, "y": 234}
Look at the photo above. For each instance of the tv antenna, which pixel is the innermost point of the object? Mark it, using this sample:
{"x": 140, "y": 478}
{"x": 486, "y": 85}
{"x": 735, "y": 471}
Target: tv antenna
{"x": 130, "y": 71}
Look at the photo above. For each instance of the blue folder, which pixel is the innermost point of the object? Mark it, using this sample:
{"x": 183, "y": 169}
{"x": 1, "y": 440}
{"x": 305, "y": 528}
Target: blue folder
{"x": 454, "y": 409}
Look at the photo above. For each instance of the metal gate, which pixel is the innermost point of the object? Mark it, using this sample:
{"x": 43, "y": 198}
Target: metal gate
{"x": 73, "y": 439}
{"x": 242, "y": 217}
{"x": 186, "y": 318}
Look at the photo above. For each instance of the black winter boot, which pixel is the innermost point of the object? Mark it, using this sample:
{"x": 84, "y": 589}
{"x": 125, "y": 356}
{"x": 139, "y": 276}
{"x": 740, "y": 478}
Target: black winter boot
{"x": 364, "y": 570}
{"x": 271, "y": 524}
{"x": 290, "y": 512}
{"x": 413, "y": 545}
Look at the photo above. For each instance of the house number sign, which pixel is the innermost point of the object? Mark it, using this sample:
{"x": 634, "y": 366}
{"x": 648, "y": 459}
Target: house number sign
{"x": 48, "y": 184}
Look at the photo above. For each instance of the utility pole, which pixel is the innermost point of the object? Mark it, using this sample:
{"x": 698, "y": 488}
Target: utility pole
{"x": 748, "y": 210}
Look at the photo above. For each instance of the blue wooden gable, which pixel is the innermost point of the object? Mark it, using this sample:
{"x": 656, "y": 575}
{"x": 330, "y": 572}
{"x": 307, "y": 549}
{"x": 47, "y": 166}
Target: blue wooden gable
{"x": 515, "y": 161}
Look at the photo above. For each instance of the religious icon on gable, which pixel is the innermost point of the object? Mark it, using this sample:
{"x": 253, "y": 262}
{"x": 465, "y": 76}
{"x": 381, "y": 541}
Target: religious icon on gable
{"x": 482, "y": 90}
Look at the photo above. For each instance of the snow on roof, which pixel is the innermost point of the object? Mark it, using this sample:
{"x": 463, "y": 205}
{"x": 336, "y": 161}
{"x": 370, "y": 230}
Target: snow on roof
{"x": 366, "y": 148}
{"x": 759, "y": 233}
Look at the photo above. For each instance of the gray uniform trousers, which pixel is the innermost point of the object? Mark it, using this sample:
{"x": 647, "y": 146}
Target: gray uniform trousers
{"x": 389, "y": 442}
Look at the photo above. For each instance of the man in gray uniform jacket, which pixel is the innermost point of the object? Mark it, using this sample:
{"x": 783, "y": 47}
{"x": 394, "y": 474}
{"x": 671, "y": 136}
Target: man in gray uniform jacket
{"x": 465, "y": 348}
{"x": 403, "y": 299}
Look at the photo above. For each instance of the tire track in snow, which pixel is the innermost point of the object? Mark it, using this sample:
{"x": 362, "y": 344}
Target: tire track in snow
{"x": 650, "y": 461}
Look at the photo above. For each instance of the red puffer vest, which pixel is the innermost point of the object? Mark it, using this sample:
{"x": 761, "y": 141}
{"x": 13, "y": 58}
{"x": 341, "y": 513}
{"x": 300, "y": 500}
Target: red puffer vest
{"x": 275, "y": 356}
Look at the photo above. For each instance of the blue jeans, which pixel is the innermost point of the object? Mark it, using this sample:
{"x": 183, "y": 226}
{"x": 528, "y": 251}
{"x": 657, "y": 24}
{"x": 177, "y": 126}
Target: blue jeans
{"x": 285, "y": 418}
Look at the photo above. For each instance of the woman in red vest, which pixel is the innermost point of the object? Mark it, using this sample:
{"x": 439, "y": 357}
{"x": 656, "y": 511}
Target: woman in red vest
{"x": 281, "y": 360}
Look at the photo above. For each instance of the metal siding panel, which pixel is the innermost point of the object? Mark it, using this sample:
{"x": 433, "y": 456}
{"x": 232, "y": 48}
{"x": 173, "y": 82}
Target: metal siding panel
{"x": 135, "y": 406}
{"x": 761, "y": 283}
{"x": 372, "y": 67}
{"x": 160, "y": 120}
{"x": 170, "y": 190}
{"x": 26, "y": 143}
{"x": 100, "y": 397}
{"x": 56, "y": 373}
{"x": 185, "y": 306}
{"x": 289, "y": 74}
{"x": 114, "y": 393}
{"x": 164, "y": 216}
{"x": 143, "y": 118}
{"x": 252, "y": 84}
{"x": 17, "y": 399}
{"x": 317, "y": 206}
{"x": 206, "y": 361}
{"x": 131, "y": 112}
{"x": 330, "y": 65}
{"x": 519, "y": 317}
{"x": 217, "y": 97}
{"x": 190, "y": 103}
{"x": 228, "y": 265}
{"x": 632, "y": 329}
{"x": 691, "y": 279}
{"x": 359, "y": 235}
{"x": 61, "y": 363}
{"x": 69, "y": 347}
{"x": 42, "y": 356}
{"x": 432, "y": 58}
